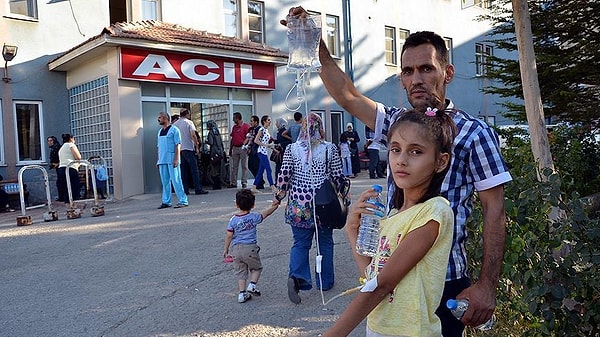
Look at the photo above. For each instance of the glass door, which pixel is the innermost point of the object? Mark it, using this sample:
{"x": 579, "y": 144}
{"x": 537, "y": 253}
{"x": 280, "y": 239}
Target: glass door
{"x": 150, "y": 112}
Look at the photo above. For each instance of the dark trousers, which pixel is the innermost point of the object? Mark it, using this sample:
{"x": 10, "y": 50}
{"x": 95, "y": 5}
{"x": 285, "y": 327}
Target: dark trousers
{"x": 61, "y": 182}
{"x": 3, "y": 199}
{"x": 374, "y": 168}
{"x": 355, "y": 161}
{"x": 189, "y": 171}
{"x": 451, "y": 327}
{"x": 253, "y": 164}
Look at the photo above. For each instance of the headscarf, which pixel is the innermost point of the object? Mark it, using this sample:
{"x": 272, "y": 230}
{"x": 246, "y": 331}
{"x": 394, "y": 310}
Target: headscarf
{"x": 280, "y": 123}
{"x": 312, "y": 129}
{"x": 211, "y": 125}
{"x": 214, "y": 138}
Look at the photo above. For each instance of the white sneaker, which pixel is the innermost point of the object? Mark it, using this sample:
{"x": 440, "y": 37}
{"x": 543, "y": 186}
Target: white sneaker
{"x": 244, "y": 296}
{"x": 252, "y": 289}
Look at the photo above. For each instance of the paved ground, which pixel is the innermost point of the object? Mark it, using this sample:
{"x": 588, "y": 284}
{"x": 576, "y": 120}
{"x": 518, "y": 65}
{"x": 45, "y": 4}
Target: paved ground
{"x": 140, "y": 271}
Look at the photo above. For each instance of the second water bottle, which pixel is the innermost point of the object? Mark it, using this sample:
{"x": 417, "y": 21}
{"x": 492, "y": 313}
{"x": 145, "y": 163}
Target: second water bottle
{"x": 368, "y": 232}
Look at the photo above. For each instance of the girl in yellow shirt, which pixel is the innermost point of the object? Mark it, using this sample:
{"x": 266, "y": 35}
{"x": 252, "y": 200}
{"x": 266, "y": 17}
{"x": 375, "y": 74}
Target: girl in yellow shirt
{"x": 405, "y": 278}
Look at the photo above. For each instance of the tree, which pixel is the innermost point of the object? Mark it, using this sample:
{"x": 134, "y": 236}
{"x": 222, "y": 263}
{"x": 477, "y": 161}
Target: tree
{"x": 566, "y": 36}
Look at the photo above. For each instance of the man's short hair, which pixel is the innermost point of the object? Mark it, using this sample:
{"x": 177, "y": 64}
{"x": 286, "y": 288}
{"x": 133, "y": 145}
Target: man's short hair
{"x": 424, "y": 37}
{"x": 184, "y": 112}
{"x": 165, "y": 114}
{"x": 237, "y": 115}
{"x": 297, "y": 116}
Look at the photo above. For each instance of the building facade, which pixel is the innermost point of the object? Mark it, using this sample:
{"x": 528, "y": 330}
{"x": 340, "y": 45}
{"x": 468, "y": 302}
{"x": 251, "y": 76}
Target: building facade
{"x": 104, "y": 77}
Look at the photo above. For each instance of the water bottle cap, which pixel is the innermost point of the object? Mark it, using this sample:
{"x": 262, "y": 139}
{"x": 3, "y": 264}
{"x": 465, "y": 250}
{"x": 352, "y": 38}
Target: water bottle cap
{"x": 377, "y": 188}
{"x": 452, "y": 304}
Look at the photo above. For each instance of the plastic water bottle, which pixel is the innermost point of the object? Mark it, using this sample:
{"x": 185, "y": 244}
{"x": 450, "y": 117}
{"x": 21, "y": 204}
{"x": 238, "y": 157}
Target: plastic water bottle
{"x": 368, "y": 232}
{"x": 458, "y": 308}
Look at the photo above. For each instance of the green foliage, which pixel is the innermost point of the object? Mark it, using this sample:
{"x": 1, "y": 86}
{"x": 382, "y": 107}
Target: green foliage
{"x": 566, "y": 39}
{"x": 549, "y": 284}
{"x": 576, "y": 155}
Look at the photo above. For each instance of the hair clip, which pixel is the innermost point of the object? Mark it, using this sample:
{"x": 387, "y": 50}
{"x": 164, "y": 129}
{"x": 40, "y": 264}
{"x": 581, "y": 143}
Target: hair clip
{"x": 431, "y": 112}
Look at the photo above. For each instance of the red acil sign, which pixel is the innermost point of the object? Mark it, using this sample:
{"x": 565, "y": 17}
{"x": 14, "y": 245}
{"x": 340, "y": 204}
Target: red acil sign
{"x": 158, "y": 66}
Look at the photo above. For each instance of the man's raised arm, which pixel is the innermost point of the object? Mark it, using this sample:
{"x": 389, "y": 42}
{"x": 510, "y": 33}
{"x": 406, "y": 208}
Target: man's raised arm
{"x": 338, "y": 84}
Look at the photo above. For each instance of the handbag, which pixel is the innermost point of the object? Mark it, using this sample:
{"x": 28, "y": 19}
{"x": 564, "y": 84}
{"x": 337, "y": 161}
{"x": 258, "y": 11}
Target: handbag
{"x": 277, "y": 154}
{"x": 331, "y": 204}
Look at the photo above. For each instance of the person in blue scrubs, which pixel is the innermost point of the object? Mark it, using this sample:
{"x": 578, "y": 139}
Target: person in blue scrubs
{"x": 169, "y": 144}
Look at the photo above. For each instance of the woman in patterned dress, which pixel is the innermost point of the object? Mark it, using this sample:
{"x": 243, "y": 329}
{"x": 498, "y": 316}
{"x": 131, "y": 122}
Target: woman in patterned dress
{"x": 304, "y": 168}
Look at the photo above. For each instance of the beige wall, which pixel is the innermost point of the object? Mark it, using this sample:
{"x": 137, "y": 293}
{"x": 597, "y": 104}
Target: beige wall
{"x": 127, "y": 136}
{"x": 125, "y": 117}
{"x": 264, "y": 104}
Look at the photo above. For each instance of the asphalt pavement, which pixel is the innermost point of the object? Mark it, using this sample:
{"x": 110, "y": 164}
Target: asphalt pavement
{"x": 142, "y": 271}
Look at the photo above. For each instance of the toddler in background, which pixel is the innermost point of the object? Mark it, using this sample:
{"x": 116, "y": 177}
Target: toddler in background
{"x": 241, "y": 243}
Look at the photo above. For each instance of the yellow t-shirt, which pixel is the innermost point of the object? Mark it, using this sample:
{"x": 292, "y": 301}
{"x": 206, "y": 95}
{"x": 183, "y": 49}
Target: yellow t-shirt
{"x": 410, "y": 309}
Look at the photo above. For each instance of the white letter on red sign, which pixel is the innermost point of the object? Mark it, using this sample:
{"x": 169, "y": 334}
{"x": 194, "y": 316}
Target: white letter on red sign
{"x": 188, "y": 68}
{"x": 246, "y": 70}
{"x": 229, "y": 72}
{"x": 156, "y": 64}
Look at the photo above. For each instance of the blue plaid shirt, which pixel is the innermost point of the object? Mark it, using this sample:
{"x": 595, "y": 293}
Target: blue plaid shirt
{"x": 477, "y": 165}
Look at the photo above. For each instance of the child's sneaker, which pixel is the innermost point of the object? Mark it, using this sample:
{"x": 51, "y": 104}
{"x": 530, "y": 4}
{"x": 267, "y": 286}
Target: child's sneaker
{"x": 252, "y": 289}
{"x": 244, "y": 296}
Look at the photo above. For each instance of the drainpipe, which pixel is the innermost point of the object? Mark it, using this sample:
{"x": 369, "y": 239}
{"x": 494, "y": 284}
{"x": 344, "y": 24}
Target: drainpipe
{"x": 348, "y": 62}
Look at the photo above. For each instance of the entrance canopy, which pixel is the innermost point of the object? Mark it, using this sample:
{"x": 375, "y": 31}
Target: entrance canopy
{"x": 157, "y": 35}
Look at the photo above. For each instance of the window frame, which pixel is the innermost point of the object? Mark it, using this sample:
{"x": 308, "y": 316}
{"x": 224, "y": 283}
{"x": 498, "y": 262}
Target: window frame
{"x": 261, "y": 17}
{"x": 489, "y": 120}
{"x": 450, "y": 47}
{"x": 32, "y": 9}
{"x": 234, "y": 14}
{"x": 42, "y": 138}
{"x": 485, "y": 4}
{"x": 482, "y": 52}
{"x": 391, "y": 56}
{"x": 401, "y": 37}
{"x": 157, "y": 9}
{"x": 333, "y": 46}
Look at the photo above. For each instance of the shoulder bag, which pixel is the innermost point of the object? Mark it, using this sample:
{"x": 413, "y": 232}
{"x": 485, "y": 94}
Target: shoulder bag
{"x": 331, "y": 204}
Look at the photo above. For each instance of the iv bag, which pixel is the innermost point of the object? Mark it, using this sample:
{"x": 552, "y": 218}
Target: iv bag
{"x": 304, "y": 36}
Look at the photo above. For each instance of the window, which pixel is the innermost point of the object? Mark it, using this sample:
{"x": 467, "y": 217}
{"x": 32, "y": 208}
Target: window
{"x": 24, "y": 7}
{"x": 256, "y": 20}
{"x": 151, "y": 10}
{"x": 256, "y": 26}
{"x": 402, "y": 36}
{"x": 483, "y": 3}
{"x": 231, "y": 12}
{"x": 332, "y": 34}
{"x": 448, "y": 42}
{"x": 117, "y": 11}
{"x": 336, "y": 124}
{"x": 482, "y": 53}
{"x": 490, "y": 120}
{"x": 486, "y": 4}
{"x": 390, "y": 45}
{"x": 28, "y": 123}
